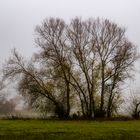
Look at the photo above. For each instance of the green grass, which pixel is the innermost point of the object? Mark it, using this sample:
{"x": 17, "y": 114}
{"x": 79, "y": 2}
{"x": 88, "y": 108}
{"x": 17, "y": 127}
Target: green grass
{"x": 69, "y": 130}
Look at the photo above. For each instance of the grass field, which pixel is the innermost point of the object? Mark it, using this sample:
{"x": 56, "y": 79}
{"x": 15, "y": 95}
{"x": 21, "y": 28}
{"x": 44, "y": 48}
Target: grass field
{"x": 69, "y": 130}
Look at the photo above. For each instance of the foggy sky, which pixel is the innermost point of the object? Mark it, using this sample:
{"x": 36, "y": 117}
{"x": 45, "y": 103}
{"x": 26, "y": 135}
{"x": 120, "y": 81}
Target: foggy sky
{"x": 18, "y": 19}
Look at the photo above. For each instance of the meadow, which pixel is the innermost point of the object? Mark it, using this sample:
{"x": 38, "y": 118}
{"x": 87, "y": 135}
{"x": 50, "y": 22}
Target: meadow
{"x": 69, "y": 130}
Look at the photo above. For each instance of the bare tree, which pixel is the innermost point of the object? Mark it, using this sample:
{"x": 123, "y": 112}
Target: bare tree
{"x": 31, "y": 81}
{"x": 100, "y": 46}
{"x": 82, "y": 61}
{"x": 116, "y": 56}
{"x": 134, "y": 104}
{"x": 55, "y": 54}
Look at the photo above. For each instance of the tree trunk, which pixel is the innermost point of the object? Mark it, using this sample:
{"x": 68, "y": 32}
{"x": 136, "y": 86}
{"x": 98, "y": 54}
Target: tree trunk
{"x": 68, "y": 100}
{"x": 102, "y": 91}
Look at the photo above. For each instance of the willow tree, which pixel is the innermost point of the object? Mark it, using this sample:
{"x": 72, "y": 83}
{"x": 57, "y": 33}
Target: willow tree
{"x": 54, "y": 53}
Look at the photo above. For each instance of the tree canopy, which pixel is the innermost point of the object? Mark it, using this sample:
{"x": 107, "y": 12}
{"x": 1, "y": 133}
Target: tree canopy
{"x": 79, "y": 67}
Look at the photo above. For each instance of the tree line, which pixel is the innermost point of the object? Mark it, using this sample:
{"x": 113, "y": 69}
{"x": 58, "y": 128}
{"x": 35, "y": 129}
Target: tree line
{"x": 79, "y": 67}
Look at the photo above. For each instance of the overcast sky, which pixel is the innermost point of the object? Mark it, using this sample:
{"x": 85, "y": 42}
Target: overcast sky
{"x": 18, "y": 19}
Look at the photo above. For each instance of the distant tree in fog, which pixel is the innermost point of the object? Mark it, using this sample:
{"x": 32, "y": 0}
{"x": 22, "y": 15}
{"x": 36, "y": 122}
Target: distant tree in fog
{"x": 134, "y": 104}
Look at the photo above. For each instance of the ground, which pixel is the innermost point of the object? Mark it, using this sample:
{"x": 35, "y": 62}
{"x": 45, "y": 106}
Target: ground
{"x": 69, "y": 130}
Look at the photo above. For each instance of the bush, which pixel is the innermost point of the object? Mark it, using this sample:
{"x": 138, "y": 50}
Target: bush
{"x": 100, "y": 114}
